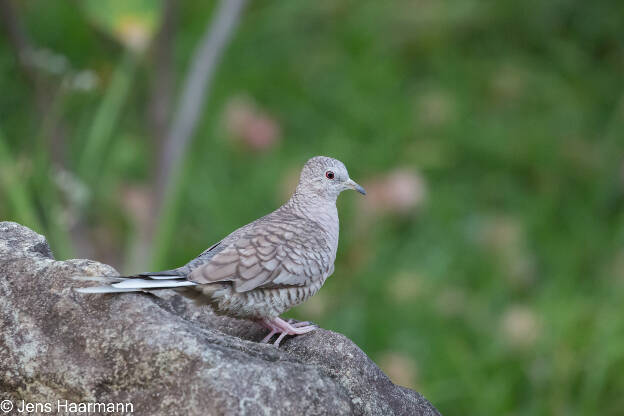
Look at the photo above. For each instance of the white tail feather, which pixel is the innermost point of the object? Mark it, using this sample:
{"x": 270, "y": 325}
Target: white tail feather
{"x": 155, "y": 277}
{"x": 150, "y": 284}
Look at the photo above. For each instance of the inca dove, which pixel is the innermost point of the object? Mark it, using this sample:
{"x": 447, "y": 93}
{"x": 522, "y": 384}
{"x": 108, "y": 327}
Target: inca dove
{"x": 268, "y": 266}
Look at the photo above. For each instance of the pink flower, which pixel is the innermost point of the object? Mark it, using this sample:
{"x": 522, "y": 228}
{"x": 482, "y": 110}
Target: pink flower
{"x": 250, "y": 125}
{"x": 399, "y": 192}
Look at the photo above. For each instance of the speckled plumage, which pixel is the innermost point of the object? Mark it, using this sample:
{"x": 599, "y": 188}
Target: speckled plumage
{"x": 268, "y": 266}
{"x": 273, "y": 264}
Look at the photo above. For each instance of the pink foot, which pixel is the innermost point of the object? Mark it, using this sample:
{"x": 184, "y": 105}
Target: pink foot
{"x": 283, "y": 328}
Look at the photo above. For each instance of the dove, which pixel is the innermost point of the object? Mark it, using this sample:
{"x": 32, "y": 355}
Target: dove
{"x": 266, "y": 267}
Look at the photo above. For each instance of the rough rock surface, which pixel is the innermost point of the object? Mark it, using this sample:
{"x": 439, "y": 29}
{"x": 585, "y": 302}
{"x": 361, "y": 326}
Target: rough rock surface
{"x": 163, "y": 354}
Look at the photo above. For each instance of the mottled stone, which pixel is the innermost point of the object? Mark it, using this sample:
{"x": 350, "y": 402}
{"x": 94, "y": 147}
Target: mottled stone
{"x": 163, "y": 354}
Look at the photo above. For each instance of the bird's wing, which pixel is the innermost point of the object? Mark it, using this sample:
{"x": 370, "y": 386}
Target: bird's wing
{"x": 272, "y": 253}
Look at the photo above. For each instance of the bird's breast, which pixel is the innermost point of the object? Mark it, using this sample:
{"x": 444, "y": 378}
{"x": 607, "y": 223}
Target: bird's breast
{"x": 327, "y": 218}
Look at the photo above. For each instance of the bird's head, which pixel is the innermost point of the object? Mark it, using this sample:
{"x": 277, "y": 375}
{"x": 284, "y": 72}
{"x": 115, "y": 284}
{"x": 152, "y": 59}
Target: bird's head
{"x": 326, "y": 177}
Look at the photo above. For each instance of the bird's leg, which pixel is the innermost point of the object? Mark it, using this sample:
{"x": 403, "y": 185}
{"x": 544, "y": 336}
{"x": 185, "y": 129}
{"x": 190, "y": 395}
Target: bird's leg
{"x": 298, "y": 328}
{"x": 268, "y": 324}
{"x": 280, "y": 326}
{"x": 279, "y": 339}
{"x": 268, "y": 337}
{"x": 294, "y": 325}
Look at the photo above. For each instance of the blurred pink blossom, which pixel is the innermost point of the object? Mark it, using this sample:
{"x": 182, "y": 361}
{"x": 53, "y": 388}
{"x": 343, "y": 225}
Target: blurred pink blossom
{"x": 399, "y": 192}
{"x": 250, "y": 125}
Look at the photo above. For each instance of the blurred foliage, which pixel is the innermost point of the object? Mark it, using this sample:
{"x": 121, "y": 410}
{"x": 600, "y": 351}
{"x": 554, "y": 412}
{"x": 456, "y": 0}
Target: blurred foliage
{"x": 494, "y": 287}
{"x": 132, "y": 22}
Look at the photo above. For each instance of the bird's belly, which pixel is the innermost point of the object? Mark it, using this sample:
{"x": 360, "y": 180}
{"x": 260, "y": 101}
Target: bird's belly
{"x": 261, "y": 303}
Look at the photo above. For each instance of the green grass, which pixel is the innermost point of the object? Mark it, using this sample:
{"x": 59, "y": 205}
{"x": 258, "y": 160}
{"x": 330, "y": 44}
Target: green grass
{"x": 503, "y": 290}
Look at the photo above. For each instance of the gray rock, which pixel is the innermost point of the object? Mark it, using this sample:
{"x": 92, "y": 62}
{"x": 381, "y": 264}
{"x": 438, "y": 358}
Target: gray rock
{"x": 163, "y": 354}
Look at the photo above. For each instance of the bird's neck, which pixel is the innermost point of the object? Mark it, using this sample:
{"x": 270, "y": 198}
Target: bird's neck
{"x": 321, "y": 210}
{"x": 311, "y": 205}
{"x": 316, "y": 208}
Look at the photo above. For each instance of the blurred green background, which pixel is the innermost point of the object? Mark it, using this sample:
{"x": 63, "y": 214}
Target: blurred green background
{"x": 485, "y": 268}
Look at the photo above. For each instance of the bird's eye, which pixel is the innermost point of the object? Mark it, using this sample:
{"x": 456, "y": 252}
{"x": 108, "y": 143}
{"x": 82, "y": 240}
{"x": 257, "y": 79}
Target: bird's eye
{"x": 329, "y": 174}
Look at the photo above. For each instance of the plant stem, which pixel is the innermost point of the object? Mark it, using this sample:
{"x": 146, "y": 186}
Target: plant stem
{"x": 196, "y": 87}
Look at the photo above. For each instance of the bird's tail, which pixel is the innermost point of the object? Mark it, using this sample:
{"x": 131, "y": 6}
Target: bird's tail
{"x": 137, "y": 283}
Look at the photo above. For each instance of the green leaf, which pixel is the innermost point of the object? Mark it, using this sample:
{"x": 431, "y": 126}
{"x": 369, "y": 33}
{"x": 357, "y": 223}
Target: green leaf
{"x": 131, "y": 22}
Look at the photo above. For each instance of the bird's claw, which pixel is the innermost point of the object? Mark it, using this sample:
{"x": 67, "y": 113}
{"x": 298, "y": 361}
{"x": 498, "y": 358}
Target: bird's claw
{"x": 299, "y": 324}
{"x": 283, "y": 328}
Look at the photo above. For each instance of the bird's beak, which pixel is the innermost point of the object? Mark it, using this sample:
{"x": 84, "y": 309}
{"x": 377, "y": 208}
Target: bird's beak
{"x": 353, "y": 185}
